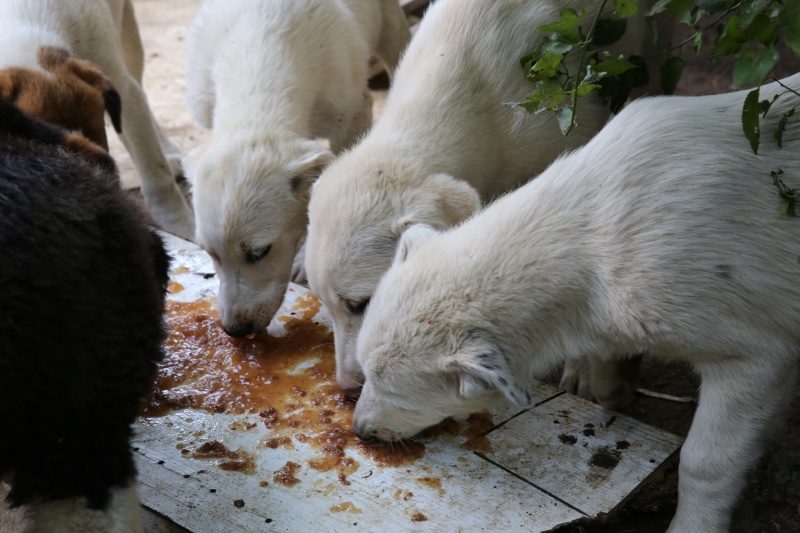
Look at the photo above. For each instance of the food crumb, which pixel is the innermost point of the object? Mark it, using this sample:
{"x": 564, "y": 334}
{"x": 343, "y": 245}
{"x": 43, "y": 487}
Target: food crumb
{"x": 238, "y": 503}
{"x": 419, "y": 517}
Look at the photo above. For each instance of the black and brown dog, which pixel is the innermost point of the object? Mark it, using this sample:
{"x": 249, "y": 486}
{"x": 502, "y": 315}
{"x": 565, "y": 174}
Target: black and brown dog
{"x": 82, "y": 286}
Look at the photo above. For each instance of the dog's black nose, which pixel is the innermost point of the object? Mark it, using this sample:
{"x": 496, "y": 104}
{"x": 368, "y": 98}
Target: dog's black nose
{"x": 240, "y": 329}
{"x": 365, "y": 435}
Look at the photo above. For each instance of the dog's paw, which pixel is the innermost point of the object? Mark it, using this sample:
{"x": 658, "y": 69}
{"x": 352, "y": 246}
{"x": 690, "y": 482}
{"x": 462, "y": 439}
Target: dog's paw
{"x": 172, "y": 213}
{"x": 575, "y": 378}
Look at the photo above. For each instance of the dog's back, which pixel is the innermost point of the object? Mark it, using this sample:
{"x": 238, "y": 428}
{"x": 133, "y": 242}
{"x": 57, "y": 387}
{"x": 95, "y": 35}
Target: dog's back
{"x": 81, "y": 326}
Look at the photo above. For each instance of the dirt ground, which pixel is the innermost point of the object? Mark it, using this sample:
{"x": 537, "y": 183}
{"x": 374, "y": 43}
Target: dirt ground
{"x": 771, "y": 502}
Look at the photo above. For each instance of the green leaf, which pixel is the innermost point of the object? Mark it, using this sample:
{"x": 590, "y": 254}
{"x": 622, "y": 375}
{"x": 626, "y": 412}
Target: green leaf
{"x": 677, "y": 6}
{"x": 614, "y": 67}
{"x": 626, "y": 8}
{"x": 558, "y": 44}
{"x": 671, "y": 74}
{"x": 565, "y": 116}
{"x": 754, "y": 66}
{"x": 609, "y": 31}
{"x": 566, "y": 24}
{"x": 546, "y": 66}
{"x": 789, "y": 27}
{"x": 730, "y": 39}
{"x": 713, "y": 6}
{"x": 785, "y": 208}
{"x": 762, "y": 29}
{"x": 782, "y": 127}
{"x": 750, "y": 120}
{"x": 586, "y": 88}
{"x": 674, "y": 6}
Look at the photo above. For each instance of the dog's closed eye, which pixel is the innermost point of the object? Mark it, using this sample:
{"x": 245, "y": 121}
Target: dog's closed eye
{"x": 254, "y": 256}
{"x": 356, "y": 307}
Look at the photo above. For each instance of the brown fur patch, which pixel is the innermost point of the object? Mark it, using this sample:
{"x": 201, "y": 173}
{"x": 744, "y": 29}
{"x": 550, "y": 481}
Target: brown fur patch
{"x": 73, "y": 96}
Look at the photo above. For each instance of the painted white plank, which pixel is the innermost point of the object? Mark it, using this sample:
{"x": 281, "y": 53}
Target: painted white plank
{"x": 530, "y": 479}
{"x": 581, "y": 453}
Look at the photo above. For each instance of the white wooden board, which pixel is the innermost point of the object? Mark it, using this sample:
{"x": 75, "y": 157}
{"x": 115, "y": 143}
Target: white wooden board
{"x": 534, "y": 478}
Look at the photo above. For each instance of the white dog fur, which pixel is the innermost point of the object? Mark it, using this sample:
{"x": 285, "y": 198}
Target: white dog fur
{"x": 105, "y": 33}
{"x": 444, "y": 131}
{"x": 268, "y": 78}
{"x": 661, "y": 235}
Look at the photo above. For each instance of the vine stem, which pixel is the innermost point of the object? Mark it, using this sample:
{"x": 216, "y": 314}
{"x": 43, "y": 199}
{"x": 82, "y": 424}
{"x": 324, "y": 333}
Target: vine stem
{"x": 589, "y": 36}
{"x": 698, "y": 32}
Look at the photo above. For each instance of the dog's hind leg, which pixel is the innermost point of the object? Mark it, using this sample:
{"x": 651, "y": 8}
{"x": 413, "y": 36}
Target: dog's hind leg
{"x": 739, "y": 401}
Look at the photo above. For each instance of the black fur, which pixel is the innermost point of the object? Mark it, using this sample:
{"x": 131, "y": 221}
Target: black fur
{"x": 82, "y": 285}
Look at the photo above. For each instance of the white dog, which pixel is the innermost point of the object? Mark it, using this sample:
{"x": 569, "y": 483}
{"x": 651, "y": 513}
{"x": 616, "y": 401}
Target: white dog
{"x": 443, "y": 132}
{"x": 662, "y": 234}
{"x": 268, "y": 77}
{"x": 105, "y": 33}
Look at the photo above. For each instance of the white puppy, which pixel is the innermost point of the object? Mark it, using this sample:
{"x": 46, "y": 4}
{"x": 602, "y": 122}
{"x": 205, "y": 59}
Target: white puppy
{"x": 105, "y": 33}
{"x": 662, "y": 234}
{"x": 268, "y": 77}
{"x": 443, "y": 133}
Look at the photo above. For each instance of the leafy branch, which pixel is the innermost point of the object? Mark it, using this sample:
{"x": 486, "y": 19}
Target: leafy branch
{"x": 748, "y": 30}
{"x": 558, "y": 90}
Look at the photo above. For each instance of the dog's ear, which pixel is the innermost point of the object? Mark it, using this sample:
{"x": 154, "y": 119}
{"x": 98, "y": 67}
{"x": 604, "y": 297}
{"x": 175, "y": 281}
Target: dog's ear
{"x": 113, "y": 104}
{"x": 9, "y": 84}
{"x": 412, "y": 239}
{"x": 93, "y": 76}
{"x": 306, "y": 169}
{"x": 480, "y": 367}
{"x": 441, "y": 201}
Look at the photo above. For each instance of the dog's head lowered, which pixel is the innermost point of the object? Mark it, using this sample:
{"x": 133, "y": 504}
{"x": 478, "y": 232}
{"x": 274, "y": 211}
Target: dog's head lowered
{"x": 69, "y": 92}
{"x": 425, "y": 354}
{"x": 250, "y": 200}
{"x": 356, "y": 216}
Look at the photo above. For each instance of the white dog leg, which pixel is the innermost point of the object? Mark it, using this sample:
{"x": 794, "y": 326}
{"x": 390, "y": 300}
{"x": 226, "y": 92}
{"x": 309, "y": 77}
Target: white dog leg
{"x": 575, "y": 378}
{"x": 141, "y": 138}
{"x": 133, "y": 56}
{"x": 611, "y": 383}
{"x": 132, "y": 49}
{"x": 739, "y": 400}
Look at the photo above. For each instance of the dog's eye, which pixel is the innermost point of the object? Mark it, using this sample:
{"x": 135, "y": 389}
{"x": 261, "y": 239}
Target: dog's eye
{"x": 356, "y": 307}
{"x": 253, "y": 256}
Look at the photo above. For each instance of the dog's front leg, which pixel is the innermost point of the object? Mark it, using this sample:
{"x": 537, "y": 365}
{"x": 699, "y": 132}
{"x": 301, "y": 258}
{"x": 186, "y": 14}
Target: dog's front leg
{"x": 142, "y": 139}
{"x": 739, "y": 401}
{"x": 611, "y": 383}
{"x": 133, "y": 56}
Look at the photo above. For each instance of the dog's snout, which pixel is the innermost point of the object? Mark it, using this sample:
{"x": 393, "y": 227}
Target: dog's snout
{"x": 365, "y": 434}
{"x": 240, "y": 329}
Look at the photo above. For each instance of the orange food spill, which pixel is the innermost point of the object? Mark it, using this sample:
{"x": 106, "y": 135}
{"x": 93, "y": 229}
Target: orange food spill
{"x": 174, "y": 287}
{"x": 285, "y": 476}
{"x": 289, "y": 382}
{"x": 346, "y": 506}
